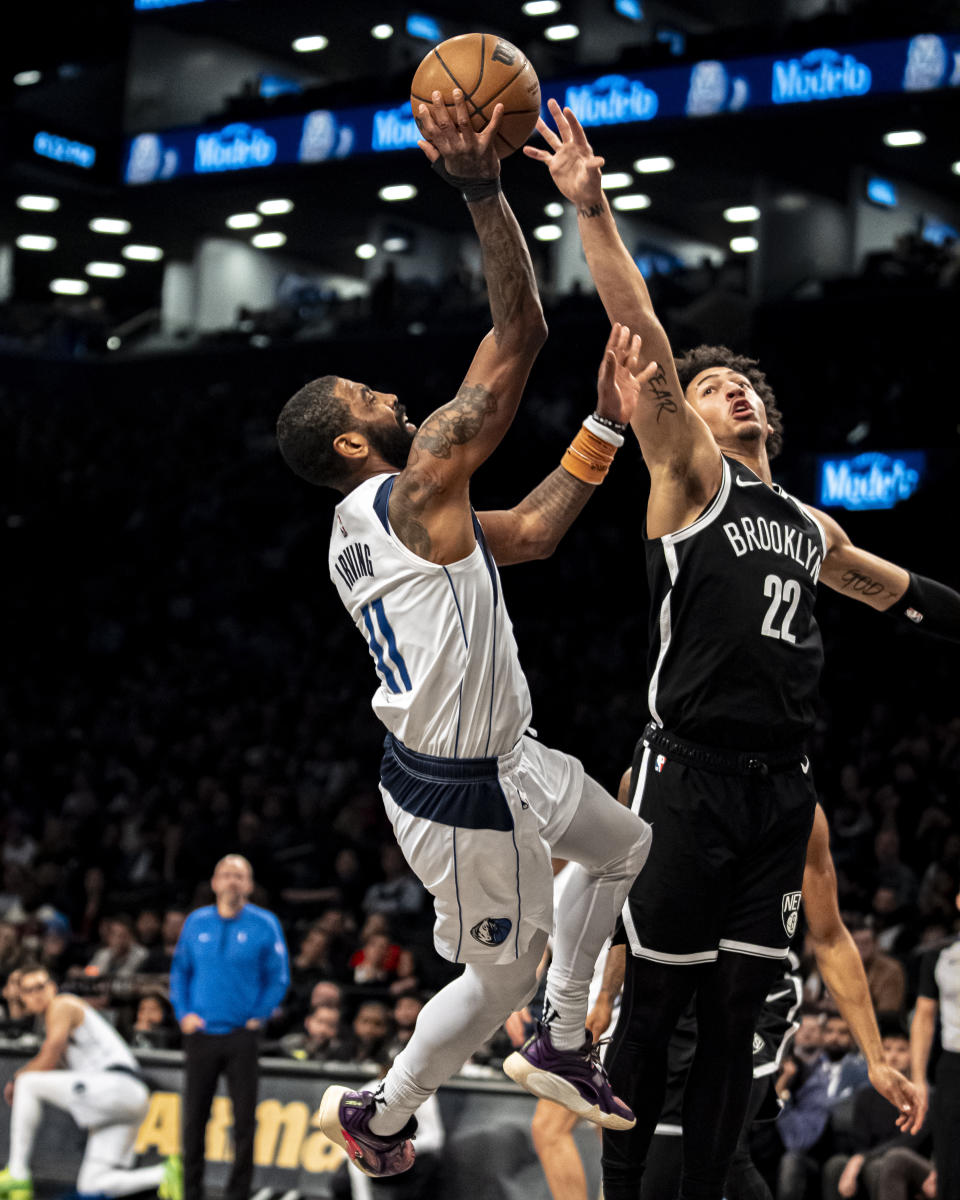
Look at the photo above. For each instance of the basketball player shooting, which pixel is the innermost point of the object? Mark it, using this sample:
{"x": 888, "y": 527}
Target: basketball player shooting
{"x": 476, "y": 805}
{"x": 733, "y": 563}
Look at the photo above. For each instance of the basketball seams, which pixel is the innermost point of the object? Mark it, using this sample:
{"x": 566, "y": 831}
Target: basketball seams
{"x": 446, "y": 77}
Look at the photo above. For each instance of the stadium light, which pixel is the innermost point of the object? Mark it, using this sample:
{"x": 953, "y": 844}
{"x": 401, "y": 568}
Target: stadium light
{"x": 268, "y": 241}
{"x": 142, "y": 253}
{"x": 109, "y": 225}
{"x": 36, "y": 241}
{"x": 741, "y": 212}
{"x": 554, "y": 209}
{"x": 615, "y": 179}
{"x": 651, "y": 166}
{"x": 275, "y": 208}
{"x": 38, "y": 203}
{"x": 547, "y": 233}
{"x": 365, "y": 250}
{"x": 744, "y": 245}
{"x": 106, "y": 270}
{"x": 248, "y": 220}
{"x": 69, "y": 287}
{"x": 540, "y": 8}
{"x": 305, "y": 45}
{"x": 631, "y": 202}
{"x": 397, "y": 191}
{"x": 561, "y": 33}
{"x": 904, "y": 137}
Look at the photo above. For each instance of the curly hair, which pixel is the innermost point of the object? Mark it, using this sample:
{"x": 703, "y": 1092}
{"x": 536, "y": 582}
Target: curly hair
{"x": 306, "y": 428}
{"x": 690, "y": 364}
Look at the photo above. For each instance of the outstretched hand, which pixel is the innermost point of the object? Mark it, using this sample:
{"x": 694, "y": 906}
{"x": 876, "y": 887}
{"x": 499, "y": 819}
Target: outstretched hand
{"x": 573, "y": 166}
{"x": 909, "y": 1101}
{"x": 466, "y": 153}
{"x": 621, "y": 376}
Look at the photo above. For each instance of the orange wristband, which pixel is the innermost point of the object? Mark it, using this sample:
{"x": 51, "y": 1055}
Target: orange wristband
{"x": 588, "y": 457}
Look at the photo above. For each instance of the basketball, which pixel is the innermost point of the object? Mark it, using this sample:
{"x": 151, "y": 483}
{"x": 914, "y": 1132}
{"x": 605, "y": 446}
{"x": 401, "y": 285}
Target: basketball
{"x": 490, "y": 71}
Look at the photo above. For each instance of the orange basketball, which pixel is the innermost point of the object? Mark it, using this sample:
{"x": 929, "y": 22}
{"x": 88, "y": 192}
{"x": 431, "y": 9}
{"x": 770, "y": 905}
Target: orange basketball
{"x": 490, "y": 71}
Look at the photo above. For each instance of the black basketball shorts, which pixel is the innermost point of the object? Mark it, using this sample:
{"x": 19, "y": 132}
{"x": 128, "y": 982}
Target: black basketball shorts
{"x": 730, "y": 834}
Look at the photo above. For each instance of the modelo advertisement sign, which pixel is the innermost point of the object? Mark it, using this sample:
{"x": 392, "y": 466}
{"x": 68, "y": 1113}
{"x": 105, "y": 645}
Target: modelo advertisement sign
{"x": 923, "y": 63}
{"x": 871, "y": 480}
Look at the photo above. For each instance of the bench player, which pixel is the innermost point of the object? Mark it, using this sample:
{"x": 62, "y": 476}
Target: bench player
{"x": 475, "y": 804}
{"x": 85, "y": 1068}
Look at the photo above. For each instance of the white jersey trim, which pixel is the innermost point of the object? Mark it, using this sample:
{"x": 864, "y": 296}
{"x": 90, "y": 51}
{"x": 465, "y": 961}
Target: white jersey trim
{"x": 665, "y": 634}
{"x": 754, "y": 949}
{"x": 712, "y": 511}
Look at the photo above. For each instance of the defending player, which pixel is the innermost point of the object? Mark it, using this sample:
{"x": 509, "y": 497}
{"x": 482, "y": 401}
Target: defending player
{"x": 735, "y": 657}
{"x": 475, "y": 804}
{"x": 99, "y": 1084}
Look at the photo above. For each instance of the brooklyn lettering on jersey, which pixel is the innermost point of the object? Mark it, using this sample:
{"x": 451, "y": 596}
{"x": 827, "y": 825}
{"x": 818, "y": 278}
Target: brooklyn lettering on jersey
{"x": 746, "y": 535}
{"x": 354, "y": 561}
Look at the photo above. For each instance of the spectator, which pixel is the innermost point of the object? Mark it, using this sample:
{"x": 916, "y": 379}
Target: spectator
{"x": 318, "y": 1040}
{"x": 326, "y": 993}
{"x": 890, "y": 871}
{"x": 400, "y": 892}
{"x": 886, "y": 976}
{"x": 230, "y": 971}
{"x": 160, "y": 958}
{"x": 406, "y": 1009}
{"x": 11, "y": 954}
{"x": 56, "y": 952}
{"x": 803, "y": 1124}
{"x": 121, "y": 955}
{"x": 375, "y": 963}
{"x": 154, "y": 1027}
{"x": 875, "y": 1134}
{"x": 367, "y": 1039}
{"x": 147, "y": 929}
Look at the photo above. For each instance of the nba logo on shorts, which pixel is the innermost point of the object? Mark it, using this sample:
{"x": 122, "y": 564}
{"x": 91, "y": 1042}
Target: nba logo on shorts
{"x": 660, "y": 763}
{"x": 790, "y": 912}
{"x": 757, "y": 1043}
{"x": 491, "y": 931}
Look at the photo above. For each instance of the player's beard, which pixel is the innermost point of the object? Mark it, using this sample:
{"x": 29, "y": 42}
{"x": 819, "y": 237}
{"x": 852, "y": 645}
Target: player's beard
{"x": 392, "y": 442}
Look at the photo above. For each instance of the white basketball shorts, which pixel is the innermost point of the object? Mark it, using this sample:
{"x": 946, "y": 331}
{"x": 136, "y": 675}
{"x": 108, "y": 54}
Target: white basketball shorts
{"x": 477, "y": 832}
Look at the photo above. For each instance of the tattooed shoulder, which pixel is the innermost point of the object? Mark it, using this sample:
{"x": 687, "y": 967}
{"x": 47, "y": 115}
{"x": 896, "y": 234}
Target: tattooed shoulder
{"x": 456, "y": 423}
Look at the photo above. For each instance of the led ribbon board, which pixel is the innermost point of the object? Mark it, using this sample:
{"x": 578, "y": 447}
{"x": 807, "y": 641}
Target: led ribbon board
{"x": 923, "y": 63}
{"x": 871, "y": 480}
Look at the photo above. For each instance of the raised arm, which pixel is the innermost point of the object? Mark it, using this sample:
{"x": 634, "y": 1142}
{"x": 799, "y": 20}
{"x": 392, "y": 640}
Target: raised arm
{"x": 429, "y": 507}
{"x": 532, "y": 528}
{"x": 842, "y": 970}
{"x": 927, "y": 604}
{"x": 677, "y": 446}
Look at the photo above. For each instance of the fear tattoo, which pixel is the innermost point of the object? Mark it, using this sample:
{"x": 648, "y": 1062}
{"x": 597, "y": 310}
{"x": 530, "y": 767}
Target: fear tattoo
{"x": 662, "y": 395}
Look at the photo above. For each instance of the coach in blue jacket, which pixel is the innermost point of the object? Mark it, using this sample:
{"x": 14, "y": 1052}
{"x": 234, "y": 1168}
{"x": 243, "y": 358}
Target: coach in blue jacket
{"x": 230, "y": 971}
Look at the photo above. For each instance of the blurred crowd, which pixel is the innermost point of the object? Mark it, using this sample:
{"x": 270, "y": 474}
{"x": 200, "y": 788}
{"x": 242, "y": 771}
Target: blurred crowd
{"x": 181, "y": 682}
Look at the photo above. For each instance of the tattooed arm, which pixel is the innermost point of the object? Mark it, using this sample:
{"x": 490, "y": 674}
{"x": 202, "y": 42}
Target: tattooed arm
{"x": 676, "y": 444}
{"x": 429, "y": 507}
{"x": 858, "y": 573}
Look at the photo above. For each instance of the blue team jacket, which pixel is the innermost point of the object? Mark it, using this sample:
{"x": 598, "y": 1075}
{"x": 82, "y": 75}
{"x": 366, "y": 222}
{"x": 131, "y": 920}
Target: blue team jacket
{"x": 229, "y": 970}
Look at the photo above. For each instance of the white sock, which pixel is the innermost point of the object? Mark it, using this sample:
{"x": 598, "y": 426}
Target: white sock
{"x": 24, "y": 1120}
{"x": 457, "y": 1021}
{"x": 608, "y": 845}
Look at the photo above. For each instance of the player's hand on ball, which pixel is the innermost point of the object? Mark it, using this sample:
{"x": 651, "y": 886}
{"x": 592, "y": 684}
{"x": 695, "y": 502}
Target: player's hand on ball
{"x": 621, "y": 376}
{"x": 573, "y": 166}
{"x": 465, "y": 153}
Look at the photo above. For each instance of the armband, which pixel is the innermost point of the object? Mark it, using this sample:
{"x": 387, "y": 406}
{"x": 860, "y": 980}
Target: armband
{"x": 470, "y": 189}
{"x": 931, "y": 605}
{"x": 589, "y": 455}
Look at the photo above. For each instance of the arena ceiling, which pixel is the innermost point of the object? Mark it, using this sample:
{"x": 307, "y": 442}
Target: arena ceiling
{"x": 106, "y": 72}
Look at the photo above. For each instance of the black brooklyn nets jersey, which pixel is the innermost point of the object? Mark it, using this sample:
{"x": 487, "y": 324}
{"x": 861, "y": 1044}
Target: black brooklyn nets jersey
{"x": 735, "y": 652}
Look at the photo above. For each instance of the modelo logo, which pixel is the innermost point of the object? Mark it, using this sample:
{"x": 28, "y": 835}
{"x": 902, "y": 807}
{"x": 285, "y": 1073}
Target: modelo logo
{"x": 61, "y": 149}
{"x": 819, "y": 75}
{"x": 234, "y": 148}
{"x": 394, "y": 129}
{"x": 870, "y": 480}
{"x": 612, "y": 100}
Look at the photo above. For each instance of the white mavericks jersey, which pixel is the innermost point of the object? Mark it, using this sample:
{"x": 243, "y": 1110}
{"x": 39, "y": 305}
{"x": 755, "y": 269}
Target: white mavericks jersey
{"x": 95, "y": 1045}
{"x": 451, "y": 684}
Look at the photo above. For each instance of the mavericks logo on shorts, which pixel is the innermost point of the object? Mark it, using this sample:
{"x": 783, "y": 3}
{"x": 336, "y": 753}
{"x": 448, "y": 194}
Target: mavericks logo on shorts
{"x": 790, "y": 912}
{"x": 491, "y": 931}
